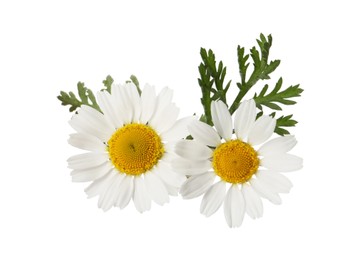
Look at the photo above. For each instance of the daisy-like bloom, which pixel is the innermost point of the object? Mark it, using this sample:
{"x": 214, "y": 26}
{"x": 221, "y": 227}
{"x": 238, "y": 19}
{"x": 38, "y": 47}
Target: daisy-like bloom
{"x": 130, "y": 146}
{"x": 250, "y": 172}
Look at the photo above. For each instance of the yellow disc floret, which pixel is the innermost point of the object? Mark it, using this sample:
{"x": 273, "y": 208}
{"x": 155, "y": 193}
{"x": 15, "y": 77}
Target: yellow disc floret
{"x": 135, "y": 149}
{"x": 235, "y": 161}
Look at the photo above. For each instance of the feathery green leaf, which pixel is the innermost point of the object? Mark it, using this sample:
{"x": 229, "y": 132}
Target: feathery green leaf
{"x": 108, "y": 83}
{"x": 277, "y": 96}
{"x": 212, "y": 85}
{"x": 86, "y": 98}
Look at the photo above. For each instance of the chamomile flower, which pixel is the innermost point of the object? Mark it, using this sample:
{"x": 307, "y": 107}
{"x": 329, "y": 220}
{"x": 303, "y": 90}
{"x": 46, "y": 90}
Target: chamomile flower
{"x": 235, "y": 161}
{"x": 129, "y": 147}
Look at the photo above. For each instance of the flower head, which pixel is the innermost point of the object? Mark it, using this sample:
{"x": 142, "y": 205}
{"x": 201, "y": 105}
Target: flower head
{"x": 129, "y": 147}
{"x": 250, "y": 172}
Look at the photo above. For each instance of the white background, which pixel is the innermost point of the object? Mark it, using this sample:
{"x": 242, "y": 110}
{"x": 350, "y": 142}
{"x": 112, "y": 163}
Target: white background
{"x": 48, "y": 46}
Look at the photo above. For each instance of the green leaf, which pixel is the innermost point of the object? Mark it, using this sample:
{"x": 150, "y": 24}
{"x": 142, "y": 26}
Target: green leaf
{"x": 262, "y": 68}
{"x": 86, "y": 98}
{"x": 213, "y": 87}
{"x": 243, "y": 65}
{"x": 277, "y": 96}
{"x": 211, "y": 81}
{"x": 82, "y": 92}
{"x": 108, "y": 83}
{"x": 67, "y": 99}
{"x": 256, "y": 57}
{"x": 282, "y": 122}
{"x": 136, "y": 83}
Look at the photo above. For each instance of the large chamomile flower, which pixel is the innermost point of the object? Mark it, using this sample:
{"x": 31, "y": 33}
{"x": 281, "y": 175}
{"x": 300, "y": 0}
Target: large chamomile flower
{"x": 249, "y": 172}
{"x": 129, "y": 147}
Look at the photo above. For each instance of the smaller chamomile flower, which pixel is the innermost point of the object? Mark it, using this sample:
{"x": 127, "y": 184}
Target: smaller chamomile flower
{"x": 234, "y": 160}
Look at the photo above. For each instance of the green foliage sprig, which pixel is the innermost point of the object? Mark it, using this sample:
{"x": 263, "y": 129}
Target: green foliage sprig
{"x": 107, "y": 83}
{"x": 212, "y": 78}
{"x": 86, "y": 96}
{"x": 284, "y": 121}
{"x": 211, "y": 82}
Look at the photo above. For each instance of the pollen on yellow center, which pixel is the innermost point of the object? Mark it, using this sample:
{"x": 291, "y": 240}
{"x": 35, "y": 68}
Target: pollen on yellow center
{"x": 235, "y": 161}
{"x": 135, "y": 149}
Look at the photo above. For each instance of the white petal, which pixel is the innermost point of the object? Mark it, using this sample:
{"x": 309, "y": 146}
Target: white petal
{"x": 168, "y": 157}
{"x": 122, "y": 96}
{"x": 163, "y": 101}
{"x": 278, "y": 145}
{"x": 86, "y": 160}
{"x": 92, "y": 122}
{"x": 148, "y": 103}
{"x": 110, "y": 107}
{"x": 91, "y": 173}
{"x": 222, "y": 119}
{"x": 135, "y": 101}
{"x": 204, "y": 133}
{"x": 97, "y": 118}
{"x": 156, "y": 189}
{"x": 126, "y": 94}
{"x": 192, "y": 150}
{"x": 213, "y": 198}
{"x": 234, "y": 206}
{"x": 265, "y": 192}
{"x": 275, "y": 181}
{"x": 253, "y": 203}
{"x": 172, "y": 191}
{"x": 141, "y": 197}
{"x": 165, "y": 97}
{"x": 262, "y": 129}
{"x": 169, "y": 179}
{"x": 168, "y": 176}
{"x": 195, "y": 186}
{"x": 120, "y": 103}
{"x": 166, "y": 118}
{"x": 282, "y": 162}
{"x": 244, "y": 118}
{"x": 179, "y": 130}
{"x": 115, "y": 89}
{"x": 98, "y": 186}
{"x": 189, "y": 167}
{"x": 87, "y": 142}
{"x": 125, "y": 192}
{"x": 108, "y": 198}
{"x": 170, "y": 148}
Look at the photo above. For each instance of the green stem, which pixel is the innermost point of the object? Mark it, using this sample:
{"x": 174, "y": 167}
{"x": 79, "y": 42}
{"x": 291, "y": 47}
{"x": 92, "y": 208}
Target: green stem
{"x": 207, "y": 108}
{"x": 237, "y": 100}
{"x": 245, "y": 87}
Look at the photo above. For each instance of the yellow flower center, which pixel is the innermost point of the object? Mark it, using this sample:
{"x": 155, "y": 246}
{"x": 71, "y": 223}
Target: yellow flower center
{"x": 135, "y": 149}
{"x": 235, "y": 161}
